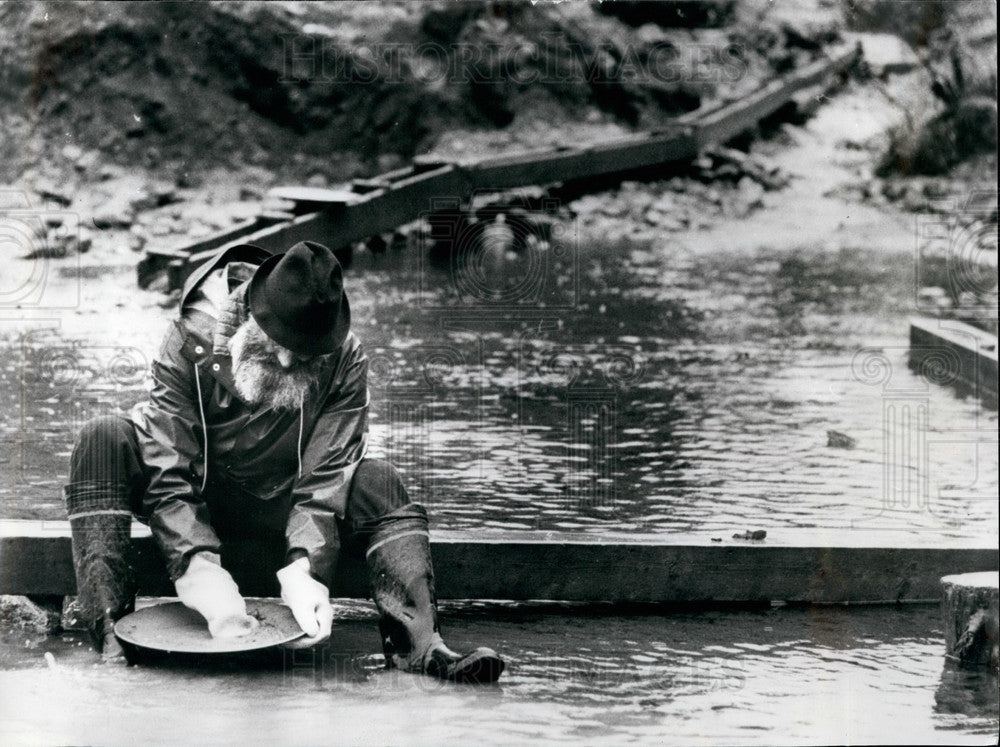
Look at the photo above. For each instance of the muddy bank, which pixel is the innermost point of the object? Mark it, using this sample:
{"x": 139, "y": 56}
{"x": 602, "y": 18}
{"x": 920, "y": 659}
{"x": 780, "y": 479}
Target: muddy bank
{"x": 338, "y": 90}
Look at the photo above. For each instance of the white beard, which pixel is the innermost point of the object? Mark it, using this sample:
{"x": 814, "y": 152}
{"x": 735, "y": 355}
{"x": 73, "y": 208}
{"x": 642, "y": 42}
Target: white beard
{"x": 260, "y": 378}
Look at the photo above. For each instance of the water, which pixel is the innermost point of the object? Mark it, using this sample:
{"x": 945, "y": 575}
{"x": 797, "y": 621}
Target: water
{"x": 779, "y": 676}
{"x": 627, "y": 390}
{"x": 606, "y": 389}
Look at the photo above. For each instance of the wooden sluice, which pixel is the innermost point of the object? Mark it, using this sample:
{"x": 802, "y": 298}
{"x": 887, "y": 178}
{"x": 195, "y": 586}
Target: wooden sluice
{"x": 799, "y": 566}
{"x": 381, "y": 204}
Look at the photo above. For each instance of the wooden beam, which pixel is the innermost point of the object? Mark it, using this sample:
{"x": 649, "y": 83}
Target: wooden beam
{"x": 816, "y": 567}
{"x": 955, "y": 353}
{"x": 721, "y": 124}
{"x": 157, "y": 259}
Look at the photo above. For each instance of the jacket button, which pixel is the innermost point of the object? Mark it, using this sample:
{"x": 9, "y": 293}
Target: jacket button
{"x": 215, "y": 366}
{"x": 199, "y": 349}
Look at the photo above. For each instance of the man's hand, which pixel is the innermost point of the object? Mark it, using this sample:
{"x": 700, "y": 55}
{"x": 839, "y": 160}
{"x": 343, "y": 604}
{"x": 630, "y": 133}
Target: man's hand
{"x": 208, "y": 589}
{"x": 309, "y": 601}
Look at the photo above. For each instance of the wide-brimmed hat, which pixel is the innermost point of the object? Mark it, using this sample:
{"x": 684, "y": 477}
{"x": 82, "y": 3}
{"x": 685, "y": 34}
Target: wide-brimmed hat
{"x": 298, "y": 299}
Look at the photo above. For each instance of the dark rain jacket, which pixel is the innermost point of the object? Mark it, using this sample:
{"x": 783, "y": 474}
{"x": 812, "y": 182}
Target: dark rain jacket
{"x": 204, "y": 447}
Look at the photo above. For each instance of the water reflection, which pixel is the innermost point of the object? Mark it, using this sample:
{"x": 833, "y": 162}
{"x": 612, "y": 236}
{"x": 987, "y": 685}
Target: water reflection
{"x": 624, "y": 388}
{"x": 972, "y": 695}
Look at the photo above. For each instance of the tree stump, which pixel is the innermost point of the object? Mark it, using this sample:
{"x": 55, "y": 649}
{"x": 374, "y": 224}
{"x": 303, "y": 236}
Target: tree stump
{"x": 970, "y": 605}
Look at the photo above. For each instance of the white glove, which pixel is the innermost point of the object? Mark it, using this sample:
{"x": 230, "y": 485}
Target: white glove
{"x": 208, "y": 589}
{"x": 309, "y": 601}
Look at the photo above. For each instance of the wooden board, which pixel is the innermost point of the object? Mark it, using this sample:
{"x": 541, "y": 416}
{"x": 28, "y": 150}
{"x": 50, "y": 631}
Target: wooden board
{"x": 954, "y": 353}
{"x": 816, "y": 567}
{"x": 313, "y": 196}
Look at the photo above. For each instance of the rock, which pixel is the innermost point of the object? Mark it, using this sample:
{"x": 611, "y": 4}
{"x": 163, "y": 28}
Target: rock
{"x": 650, "y": 34}
{"x": 933, "y": 296}
{"x": 163, "y": 193}
{"x": 84, "y": 242}
{"x": 665, "y": 203}
{"x": 108, "y": 172}
{"x": 115, "y": 213}
{"x": 638, "y": 202}
{"x": 654, "y": 217}
{"x": 885, "y": 54}
{"x": 48, "y": 248}
{"x": 377, "y": 244}
{"x": 751, "y": 193}
{"x": 57, "y": 193}
{"x": 136, "y": 242}
{"x": 976, "y": 126}
{"x": 893, "y": 190}
{"x": 21, "y": 613}
{"x": 162, "y": 227}
{"x": 838, "y": 440}
{"x": 588, "y": 204}
{"x": 72, "y": 152}
{"x": 87, "y": 161}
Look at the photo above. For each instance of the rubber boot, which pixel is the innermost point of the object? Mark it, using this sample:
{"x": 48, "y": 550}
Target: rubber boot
{"x": 402, "y": 581}
{"x": 102, "y": 543}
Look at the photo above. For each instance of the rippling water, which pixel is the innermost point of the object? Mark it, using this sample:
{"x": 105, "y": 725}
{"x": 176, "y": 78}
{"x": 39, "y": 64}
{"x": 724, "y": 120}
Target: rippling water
{"x": 618, "y": 389}
{"x": 615, "y": 388}
{"x": 780, "y": 676}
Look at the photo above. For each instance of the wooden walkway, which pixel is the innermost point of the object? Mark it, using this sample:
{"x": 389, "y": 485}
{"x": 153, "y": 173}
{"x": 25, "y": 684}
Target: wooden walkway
{"x": 794, "y": 567}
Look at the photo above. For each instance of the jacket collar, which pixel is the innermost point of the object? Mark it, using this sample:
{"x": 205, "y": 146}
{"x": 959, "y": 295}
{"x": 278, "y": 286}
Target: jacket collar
{"x": 240, "y": 253}
{"x": 207, "y": 342}
{"x": 234, "y": 313}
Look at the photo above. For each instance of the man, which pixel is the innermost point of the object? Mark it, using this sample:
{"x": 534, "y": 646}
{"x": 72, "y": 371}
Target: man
{"x": 256, "y": 429}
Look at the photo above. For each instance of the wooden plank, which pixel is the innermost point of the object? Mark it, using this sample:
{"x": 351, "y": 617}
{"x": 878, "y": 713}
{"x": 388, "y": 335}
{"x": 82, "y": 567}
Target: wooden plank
{"x": 627, "y": 154}
{"x": 406, "y": 200}
{"x": 157, "y": 260}
{"x": 274, "y": 238}
{"x": 953, "y": 352}
{"x": 311, "y": 199}
{"x": 722, "y": 124}
{"x": 527, "y": 168}
{"x": 379, "y": 211}
{"x": 856, "y": 567}
{"x": 573, "y": 164}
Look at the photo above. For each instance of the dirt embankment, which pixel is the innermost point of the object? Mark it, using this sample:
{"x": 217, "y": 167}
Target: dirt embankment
{"x": 344, "y": 89}
{"x": 157, "y": 123}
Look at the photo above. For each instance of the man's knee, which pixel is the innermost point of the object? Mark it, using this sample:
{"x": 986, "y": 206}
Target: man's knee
{"x": 377, "y": 488}
{"x": 106, "y": 454}
{"x": 378, "y": 505}
{"x": 105, "y": 432}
